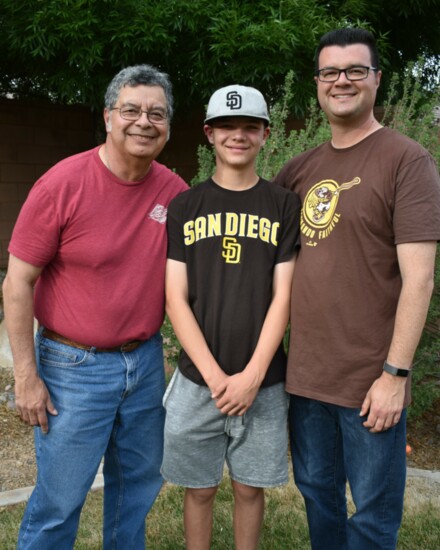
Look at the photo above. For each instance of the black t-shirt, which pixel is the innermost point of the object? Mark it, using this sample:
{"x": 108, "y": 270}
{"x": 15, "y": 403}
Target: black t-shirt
{"x": 231, "y": 242}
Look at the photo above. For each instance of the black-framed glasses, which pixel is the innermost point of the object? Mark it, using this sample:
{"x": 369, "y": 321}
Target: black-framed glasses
{"x": 331, "y": 74}
{"x": 131, "y": 112}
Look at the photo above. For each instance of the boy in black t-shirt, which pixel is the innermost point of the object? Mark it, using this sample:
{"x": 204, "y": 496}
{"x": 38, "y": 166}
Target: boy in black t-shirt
{"x": 232, "y": 243}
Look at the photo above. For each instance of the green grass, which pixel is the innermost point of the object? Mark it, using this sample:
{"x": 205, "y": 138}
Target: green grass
{"x": 284, "y": 527}
{"x": 420, "y": 529}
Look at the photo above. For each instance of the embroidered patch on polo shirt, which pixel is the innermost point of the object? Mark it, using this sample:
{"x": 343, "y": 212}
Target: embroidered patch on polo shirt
{"x": 158, "y": 214}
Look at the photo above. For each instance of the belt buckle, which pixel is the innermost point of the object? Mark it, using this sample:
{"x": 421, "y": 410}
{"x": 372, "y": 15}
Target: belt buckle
{"x": 129, "y": 346}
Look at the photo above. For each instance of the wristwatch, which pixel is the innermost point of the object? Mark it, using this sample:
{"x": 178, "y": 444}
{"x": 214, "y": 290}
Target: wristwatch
{"x": 395, "y": 371}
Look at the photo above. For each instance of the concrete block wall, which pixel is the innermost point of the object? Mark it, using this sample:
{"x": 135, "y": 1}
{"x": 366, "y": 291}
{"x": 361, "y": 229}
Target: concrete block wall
{"x": 33, "y": 137}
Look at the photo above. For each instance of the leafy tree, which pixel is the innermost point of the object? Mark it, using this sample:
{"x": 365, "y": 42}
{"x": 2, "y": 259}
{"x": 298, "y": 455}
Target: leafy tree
{"x": 68, "y": 50}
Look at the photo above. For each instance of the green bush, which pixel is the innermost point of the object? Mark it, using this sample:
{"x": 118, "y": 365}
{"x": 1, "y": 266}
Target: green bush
{"x": 409, "y": 109}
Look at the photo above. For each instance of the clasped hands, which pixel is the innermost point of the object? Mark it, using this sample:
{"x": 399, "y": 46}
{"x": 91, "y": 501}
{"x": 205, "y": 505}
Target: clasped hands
{"x": 234, "y": 394}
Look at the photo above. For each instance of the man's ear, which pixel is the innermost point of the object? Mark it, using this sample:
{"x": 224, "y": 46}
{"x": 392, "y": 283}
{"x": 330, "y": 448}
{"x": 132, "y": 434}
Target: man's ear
{"x": 108, "y": 122}
{"x": 378, "y": 77}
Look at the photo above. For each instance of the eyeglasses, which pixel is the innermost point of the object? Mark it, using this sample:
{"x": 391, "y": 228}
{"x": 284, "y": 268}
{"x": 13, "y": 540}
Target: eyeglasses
{"x": 131, "y": 112}
{"x": 330, "y": 74}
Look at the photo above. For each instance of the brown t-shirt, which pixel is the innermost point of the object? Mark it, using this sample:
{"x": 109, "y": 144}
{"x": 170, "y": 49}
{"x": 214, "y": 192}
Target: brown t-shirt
{"x": 358, "y": 203}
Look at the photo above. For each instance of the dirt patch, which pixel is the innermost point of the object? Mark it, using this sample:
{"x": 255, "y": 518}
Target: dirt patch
{"x": 424, "y": 438}
{"x": 17, "y": 456}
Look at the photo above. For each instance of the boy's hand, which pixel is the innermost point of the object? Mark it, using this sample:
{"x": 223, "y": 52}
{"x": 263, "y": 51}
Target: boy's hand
{"x": 237, "y": 394}
{"x": 217, "y": 382}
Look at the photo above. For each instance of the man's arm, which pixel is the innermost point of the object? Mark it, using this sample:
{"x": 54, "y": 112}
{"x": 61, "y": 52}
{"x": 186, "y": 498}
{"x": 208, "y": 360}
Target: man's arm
{"x": 384, "y": 400}
{"x": 240, "y": 390}
{"x": 186, "y": 327}
{"x": 31, "y": 395}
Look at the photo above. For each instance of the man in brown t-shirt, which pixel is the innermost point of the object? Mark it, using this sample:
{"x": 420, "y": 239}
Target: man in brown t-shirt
{"x": 361, "y": 290}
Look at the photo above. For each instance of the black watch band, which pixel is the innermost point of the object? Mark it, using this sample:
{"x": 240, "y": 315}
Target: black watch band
{"x": 395, "y": 371}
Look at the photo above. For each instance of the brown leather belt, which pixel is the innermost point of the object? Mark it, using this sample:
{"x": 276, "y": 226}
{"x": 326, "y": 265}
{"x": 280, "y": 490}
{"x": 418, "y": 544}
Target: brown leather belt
{"x": 51, "y": 335}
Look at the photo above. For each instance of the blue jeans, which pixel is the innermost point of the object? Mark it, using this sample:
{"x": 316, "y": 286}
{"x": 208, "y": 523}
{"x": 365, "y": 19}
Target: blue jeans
{"x": 109, "y": 404}
{"x": 330, "y": 447}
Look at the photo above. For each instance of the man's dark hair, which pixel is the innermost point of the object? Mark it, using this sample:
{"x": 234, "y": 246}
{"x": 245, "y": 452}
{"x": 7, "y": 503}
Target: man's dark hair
{"x": 348, "y": 37}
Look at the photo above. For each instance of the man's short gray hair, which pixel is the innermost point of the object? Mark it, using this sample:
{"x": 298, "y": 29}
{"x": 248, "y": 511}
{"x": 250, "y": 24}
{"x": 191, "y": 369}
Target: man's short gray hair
{"x": 139, "y": 75}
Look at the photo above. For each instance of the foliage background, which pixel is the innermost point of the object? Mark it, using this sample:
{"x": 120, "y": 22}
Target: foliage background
{"x": 68, "y": 50}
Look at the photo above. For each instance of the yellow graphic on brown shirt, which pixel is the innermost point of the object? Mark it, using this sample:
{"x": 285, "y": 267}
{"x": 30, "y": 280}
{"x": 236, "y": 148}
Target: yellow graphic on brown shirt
{"x": 318, "y": 214}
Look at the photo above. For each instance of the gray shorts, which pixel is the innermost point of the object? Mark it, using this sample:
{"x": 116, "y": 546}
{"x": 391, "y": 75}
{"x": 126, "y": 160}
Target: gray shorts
{"x": 199, "y": 438}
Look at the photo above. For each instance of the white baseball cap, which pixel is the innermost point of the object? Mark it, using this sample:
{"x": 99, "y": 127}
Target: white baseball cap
{"x": 236, "y": 100}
